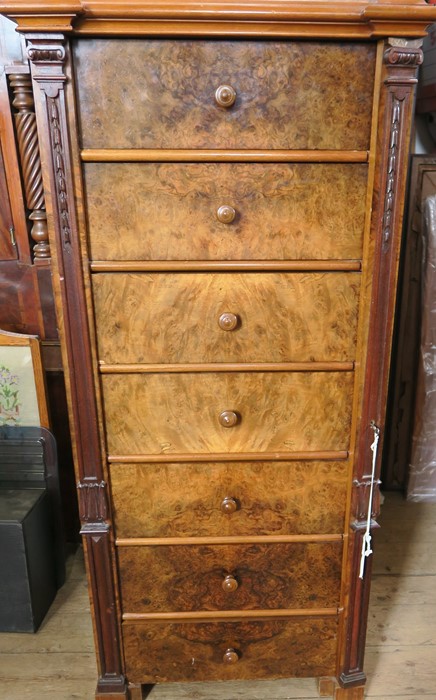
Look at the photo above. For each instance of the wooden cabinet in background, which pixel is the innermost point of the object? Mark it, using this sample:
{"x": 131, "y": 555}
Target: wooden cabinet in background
{"x": 224, "y": 188}
{"x": 26, "y": 293}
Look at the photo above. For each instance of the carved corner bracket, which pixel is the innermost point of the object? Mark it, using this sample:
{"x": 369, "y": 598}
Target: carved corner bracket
{"x": 48, "y": 61}
{"x": 93, "y": 506}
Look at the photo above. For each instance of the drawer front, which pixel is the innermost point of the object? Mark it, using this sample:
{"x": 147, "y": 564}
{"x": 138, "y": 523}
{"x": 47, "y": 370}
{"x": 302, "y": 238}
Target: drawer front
{"x": 230, "y": 577}
{"x": 192, "y": 412}
{"x": 161, "y": 651}
{"x": 248, "y": 317}
{"x": 229, "y": 498}
{"x": 169, "y": 211}
{"x": 288, "y": 94}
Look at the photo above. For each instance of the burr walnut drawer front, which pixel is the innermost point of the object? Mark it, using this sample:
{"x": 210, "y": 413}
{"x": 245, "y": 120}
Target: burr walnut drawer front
{"x": 227, "y": 650}
{"x": 188, "y": 578}
{"x": 228, "y": 498}
{"x": 233, "y": 317}
{"x": 228, "y": 211}
{"x": 222, "y": 94}
{"x": 207, "y": 412}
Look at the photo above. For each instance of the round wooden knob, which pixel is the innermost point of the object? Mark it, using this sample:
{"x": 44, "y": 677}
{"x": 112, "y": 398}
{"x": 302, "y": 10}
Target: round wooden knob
{"x": 230, "y": 584}
{"x": 225, "y": 214}
{"x": 228, "y": 322}
{"x": 225, "y": 96}
{"x": 228, "y": 419}
{"x": 231, "y": 656}
{"x": 229, "y": 505}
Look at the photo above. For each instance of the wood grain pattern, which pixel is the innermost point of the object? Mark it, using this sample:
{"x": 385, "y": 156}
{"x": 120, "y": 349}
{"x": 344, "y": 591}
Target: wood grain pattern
{"x": 220, "y": 155}
{"x": 284, "y": 210}
{"x": 158, "y": 413}
{"x": 289, "y": 94}
{"x": 174, "y": 318}
{"x": 8, "y": 245}
{"x": 158, "y": 651}
{"x": 267, "y": 576}
{"x": 277, "y": 498}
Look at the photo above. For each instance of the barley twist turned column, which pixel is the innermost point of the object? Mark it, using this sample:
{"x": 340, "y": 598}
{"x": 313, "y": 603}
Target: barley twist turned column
{"x": 25, "y": 123}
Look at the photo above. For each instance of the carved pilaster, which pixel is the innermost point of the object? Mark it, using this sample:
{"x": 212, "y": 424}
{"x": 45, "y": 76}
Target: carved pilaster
{"x": 27, "y": 137}
{"x": 399, "y": 78}
{"x": 48, "y": 55}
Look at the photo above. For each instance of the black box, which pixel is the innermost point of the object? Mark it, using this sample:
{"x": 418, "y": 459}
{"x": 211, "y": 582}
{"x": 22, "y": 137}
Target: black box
{"x": 27, "y": 559}
{"x": 32, "y": 556}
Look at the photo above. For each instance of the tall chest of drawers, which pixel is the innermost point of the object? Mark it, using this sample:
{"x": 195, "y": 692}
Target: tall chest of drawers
{"x": 224, "y": 186}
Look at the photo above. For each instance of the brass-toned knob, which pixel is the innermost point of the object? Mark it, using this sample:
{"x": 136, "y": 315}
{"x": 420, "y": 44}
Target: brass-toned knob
{"x": 225, "y": 96}
{"x": 230, "y": 584}
{"x": 228, "y": 419}
{"x": 229, "y": 505}
{"x": 228, "y": 321}
{"x": 225, "y": 214}
{"x": 231, "y": 656}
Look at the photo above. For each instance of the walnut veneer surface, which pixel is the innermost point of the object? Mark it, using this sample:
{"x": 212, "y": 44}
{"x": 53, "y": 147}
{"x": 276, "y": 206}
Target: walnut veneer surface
{"x": 164, "y": 99}
{"x": 167, "y": 211}
{"x": 224, "y": 183}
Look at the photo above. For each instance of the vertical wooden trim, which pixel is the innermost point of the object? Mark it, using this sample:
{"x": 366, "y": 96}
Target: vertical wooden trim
{"x": 41, "y": 390}
{"x": 48, "y": 55}
{"x": 401, "y": 61}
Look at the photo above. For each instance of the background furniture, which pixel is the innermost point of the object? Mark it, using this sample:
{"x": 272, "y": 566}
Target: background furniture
{"x": 26, "y": 294}
{"x": 224, "y": 203}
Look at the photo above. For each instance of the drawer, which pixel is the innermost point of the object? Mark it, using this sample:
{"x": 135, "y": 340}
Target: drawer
{"x": 247, "y": 317}
{"x": 289, "y": 94}
{"x": 229, "y": 498}
{"x": 181, "y": 578}
{"x": 227, "y": 412}
{"x": 169, "y": 211}
{"x": 186, "y": 651}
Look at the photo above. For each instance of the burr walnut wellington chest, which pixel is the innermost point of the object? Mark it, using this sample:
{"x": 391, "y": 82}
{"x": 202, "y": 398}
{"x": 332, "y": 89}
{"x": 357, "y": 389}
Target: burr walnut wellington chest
{"x": 224, "y": 186}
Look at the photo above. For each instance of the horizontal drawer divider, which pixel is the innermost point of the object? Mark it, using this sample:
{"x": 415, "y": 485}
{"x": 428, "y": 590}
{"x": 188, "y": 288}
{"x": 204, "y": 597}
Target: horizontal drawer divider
{"x": 328, "y": 456}
{"x": 225, "y": 265}
{"x": 231, "y": 614}
{"x": 169, "y": 155}
{"x": 229, "y": 367}
{"x": 235, "y": 539}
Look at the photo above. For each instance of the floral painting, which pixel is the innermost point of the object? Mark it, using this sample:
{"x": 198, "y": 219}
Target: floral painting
{"x": 9, "y": 401}
{"x": 18, "y": 396}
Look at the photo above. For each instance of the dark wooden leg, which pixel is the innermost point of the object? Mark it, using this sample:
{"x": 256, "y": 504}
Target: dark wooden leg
{"x": 139, "y": 692}
{"x": 111, "y": 696}
{"x": 349, "y": 693}
{"x": 326, "y": 687}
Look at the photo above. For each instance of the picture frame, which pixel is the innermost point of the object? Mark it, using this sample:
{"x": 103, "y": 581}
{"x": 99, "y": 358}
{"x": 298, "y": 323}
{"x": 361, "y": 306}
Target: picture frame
{"x": 23, "y": 400}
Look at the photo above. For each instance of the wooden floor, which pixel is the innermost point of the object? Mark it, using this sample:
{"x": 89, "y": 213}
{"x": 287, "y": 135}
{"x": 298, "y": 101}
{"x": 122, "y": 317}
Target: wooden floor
{"x": 57, "y": 663}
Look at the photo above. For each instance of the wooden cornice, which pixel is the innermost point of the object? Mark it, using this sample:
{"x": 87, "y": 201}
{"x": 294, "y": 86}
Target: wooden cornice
{"x": 360, "y": 18}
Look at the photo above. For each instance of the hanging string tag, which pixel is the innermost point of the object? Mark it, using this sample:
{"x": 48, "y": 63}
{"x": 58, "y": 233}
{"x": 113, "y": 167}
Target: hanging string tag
{"x": 366, "y": 542}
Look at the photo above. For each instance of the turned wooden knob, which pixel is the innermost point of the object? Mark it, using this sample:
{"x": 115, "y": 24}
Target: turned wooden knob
{"x": 228, "y": 321}
{"x": 228, "y": 419}
{"x": 225, "y": 214}
{"x": 230, "y": 584}
{"x": 231, "y": 656}
{"x": 225, "y": 96}
{"x": 229, "y": 505}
